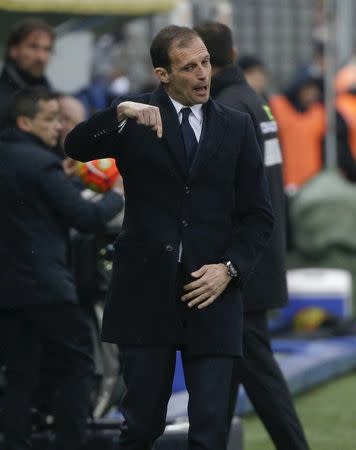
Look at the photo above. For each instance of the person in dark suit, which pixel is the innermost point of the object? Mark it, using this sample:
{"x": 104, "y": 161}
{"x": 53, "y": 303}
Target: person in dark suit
{"x": 27, "y": 52}
{"x": 197, "y": 217}
{"x": 258, "y": 370}
{"x": 38, "y": 303}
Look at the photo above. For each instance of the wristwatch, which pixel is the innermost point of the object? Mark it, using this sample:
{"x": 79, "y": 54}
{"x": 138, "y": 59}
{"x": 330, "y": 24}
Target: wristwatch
{"x": 231, "y": 270}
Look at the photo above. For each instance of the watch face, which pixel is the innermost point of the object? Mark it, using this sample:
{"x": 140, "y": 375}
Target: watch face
{"x": 231, "y": 269}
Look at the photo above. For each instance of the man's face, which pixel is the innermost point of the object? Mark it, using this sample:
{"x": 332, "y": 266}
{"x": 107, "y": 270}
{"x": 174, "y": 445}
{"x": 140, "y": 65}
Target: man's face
{"x": 188, "y": 80}
{"x": 257, "y": 79}
{"x": 33, "y": 53}
{"x": 46, "y": 124}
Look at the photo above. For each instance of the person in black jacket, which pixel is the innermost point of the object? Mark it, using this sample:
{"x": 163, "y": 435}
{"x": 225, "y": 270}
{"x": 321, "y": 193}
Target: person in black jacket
{"x": 27, "y": 53}
{"x": 38, "y": 303}
{"x": 258, "y": 370}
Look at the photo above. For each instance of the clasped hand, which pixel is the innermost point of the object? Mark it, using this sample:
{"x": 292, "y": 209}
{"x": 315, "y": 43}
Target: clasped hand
{"x": 147, "y": 115}
{"x": 211, "y": 281}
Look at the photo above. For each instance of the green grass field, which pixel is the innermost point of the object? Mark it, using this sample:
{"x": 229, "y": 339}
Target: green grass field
{"x": 328, "y": 414}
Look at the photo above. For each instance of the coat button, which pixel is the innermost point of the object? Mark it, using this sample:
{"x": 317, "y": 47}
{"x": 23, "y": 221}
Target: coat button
{"x": 169, "y": 248}
{"x": 184, "y": 223}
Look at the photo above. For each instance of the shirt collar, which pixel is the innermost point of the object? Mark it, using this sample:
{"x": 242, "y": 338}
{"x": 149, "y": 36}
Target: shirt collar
{"x": 197, "y": 110}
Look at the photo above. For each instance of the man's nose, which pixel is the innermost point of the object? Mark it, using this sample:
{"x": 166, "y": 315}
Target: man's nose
{"x": 202, "y": 73}
{"x": 59, "y": 126}
{"x": 42, "y": 55}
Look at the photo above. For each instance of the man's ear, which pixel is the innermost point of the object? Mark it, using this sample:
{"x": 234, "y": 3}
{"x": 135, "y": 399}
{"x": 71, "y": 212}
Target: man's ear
{"x": 162, "y": 74}
{"x": 24, "y": 123}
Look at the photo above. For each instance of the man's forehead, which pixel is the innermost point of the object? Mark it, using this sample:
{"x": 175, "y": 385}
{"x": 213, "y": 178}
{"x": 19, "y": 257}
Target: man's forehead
{"x": 46, "y": 106}
{"x": 181, "y": 43}
{"x": 68, "y": 104}
{"x": 37, "y": 35}
{"x": 194, "y": 48}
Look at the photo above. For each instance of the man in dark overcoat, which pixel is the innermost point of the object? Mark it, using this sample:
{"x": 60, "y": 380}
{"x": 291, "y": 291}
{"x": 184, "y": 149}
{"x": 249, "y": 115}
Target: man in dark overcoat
{"x": 197, "y": 217}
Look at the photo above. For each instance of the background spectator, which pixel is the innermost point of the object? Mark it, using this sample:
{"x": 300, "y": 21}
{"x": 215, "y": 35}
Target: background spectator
{"x": 28, "y": 49}
{"x": 255, "y": 73}
{"x": 38, "y": 305}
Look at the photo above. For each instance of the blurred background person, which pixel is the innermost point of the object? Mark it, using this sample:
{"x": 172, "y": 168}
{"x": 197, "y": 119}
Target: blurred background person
{"x": 72, "y": 112}
{"x": 302, "y": 125}
{"x": 27, "y": 53}
{"x": 316, "y": 67}
{"x": 301, "y": 119}
{"x": 120, "y": 84}
{"x": 95, "y": 96}
{"x": 258, "y": 370}
{"x": 255, "y": 73}
{"x": 38, "y": 305}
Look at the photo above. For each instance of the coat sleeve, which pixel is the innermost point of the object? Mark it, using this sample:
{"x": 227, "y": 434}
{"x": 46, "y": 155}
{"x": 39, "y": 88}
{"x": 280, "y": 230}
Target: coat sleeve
{"x": 253, "y": 216}
{"x": 95, "y": 138}
{"x": 70, "y": 207}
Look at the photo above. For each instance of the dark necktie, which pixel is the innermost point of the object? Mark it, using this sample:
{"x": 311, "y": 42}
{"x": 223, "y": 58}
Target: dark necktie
{"x": 190, "y": 140}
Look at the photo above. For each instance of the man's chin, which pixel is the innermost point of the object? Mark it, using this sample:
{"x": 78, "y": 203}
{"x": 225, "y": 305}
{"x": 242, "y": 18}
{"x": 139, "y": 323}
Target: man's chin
{"x": 200, "y": 99}
{"x": 37, "y": 73}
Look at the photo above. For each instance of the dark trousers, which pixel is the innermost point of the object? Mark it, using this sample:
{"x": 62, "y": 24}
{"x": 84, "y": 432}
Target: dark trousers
{"x": 266, "y": 387}
{"x": 148, "y": 374}
{"x": 63, "y": 330}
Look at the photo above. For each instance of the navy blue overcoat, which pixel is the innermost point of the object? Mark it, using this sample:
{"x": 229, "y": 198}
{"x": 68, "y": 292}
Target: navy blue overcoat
{"x": 219, "y": 210}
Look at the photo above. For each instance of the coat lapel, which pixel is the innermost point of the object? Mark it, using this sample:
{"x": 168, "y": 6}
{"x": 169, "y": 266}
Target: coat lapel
{"x": 171, "y": 130}
{"x": 214, "y": 126}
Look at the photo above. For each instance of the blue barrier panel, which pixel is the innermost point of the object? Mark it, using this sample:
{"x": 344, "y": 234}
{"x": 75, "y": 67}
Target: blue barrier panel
{"x": 304, "y": 363}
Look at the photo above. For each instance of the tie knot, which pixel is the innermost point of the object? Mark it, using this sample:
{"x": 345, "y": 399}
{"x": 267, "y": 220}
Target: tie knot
{"x": 185, "y": 113}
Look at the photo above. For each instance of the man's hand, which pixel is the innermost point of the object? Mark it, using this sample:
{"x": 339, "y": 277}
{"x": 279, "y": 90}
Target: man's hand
{"x": 147, "y": 115}
{"x": 69, "y": 166}
{"x": 211, "y": 281}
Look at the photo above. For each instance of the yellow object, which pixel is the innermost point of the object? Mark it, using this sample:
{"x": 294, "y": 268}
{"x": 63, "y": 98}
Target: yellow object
{"x": 123, "y": 7}
{"x": 309, "y": 319}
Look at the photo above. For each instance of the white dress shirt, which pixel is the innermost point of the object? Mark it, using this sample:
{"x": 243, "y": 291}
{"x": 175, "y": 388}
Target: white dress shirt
{"x": 195, "y": 118}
